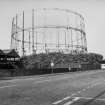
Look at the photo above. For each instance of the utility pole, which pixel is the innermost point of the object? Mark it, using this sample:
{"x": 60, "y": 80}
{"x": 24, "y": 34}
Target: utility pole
{"x": 33, "y": 30}
{"x": 23, "y": 36}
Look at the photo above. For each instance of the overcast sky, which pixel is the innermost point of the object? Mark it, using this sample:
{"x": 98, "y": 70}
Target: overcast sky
{"x": 92, "y": 10}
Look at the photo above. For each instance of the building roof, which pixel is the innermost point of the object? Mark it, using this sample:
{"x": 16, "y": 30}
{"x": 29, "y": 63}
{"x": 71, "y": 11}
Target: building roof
{"x": 1, "y": 52}
{"x": 103, "y": 61}
{"x": 9, "y": 53}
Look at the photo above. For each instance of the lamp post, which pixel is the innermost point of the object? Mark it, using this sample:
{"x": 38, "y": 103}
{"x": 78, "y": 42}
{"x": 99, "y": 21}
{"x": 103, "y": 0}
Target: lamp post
{"x": 52, "y": 65}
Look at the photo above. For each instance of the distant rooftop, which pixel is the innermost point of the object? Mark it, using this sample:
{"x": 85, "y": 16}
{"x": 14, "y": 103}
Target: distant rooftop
{"x": 9, "y": 53}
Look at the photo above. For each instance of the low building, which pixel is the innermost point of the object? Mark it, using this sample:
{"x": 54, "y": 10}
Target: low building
{"x": 102, "y": 64}
{"x": 8, "y": 57}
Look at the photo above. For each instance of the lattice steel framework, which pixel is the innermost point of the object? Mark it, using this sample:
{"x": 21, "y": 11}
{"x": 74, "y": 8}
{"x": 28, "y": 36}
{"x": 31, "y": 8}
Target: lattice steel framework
{"x": 48, "y": 30}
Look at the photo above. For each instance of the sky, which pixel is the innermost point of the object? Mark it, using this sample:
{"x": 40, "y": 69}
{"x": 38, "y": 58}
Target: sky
{"x": 93, "y": 12}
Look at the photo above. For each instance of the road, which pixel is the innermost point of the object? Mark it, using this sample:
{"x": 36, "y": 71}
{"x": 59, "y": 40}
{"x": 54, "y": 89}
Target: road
{"x": 77, "y": 88}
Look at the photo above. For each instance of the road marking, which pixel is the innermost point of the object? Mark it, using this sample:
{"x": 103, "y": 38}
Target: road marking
{"x": 66, "y": 98}
{"x": 73, "y": 100}
{"x": 90, "y": 98}
{"x": 84, "y": 89}
{"x": 35, "y": 78}
{"x": 72, "y": 95}
{"x": 7, "y": 86}
{"x": 79, "y": 91}
{"x": 40, "y": 81}
{"x": 50, "y": 79}
{"x": 57, "y": 102}
{"x": 15, "y": 80}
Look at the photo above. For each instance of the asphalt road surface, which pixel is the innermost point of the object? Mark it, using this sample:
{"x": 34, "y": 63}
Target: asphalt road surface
{"x": 77, "y": 88}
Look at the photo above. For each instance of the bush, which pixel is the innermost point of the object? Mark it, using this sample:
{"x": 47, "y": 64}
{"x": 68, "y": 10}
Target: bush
{"x": 42, "y": 61}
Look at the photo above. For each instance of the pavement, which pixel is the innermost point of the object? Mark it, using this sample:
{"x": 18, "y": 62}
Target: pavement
{"x": 77, "y": 88}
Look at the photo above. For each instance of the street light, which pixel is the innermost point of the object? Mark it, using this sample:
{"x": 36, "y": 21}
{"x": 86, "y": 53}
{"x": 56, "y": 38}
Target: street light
{"x": 52, "y": 65}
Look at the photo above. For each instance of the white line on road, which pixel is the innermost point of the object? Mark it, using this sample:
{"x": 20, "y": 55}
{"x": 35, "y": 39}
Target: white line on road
{"x": 72, "y": 101}
{"x": 42, "y": 81}
{"x": 72, "y": 95}
{"x": 7, "y": 86}
{"x": 79, "y": 91}
{"x": 90, "y": 98}
{"x": 57, "y": 102}
{"x": 15, "y": 80}
{"x": 66, "y": 98}
{"x": 34, "y": 78}
{"x": 50, "y": 79}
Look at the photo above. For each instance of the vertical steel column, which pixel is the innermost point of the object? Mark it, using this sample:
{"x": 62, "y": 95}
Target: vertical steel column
{"x": 85, "y": 44}
{"x": 58, "y": 40}
{"x": 29, "y": 42}
{"x": 85, "y": 41}
{"x": 36, "y": 29}
{"x": 82, "y": 40}
{"x": 71, "y": 42}
{"x": 45, "y": 33}
{"x": 76, "y": 23}
{"x": 43, "y": 39}
{"x": 82, "y": 37}
{"x": 15, "y": 34}
{"x": 46, "y": 48}
{"x": 12, "y": 32}
{"x": 33, "y": 31}
{"x": 68, "y": 31}
{"x": 16, "y": 43}
{"x": 65, "y": 40}
{"x": 23, "y": 37}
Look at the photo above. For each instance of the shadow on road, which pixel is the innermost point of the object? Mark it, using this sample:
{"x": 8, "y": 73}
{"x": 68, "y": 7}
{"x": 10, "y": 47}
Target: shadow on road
{"x": 94, "y": 98}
